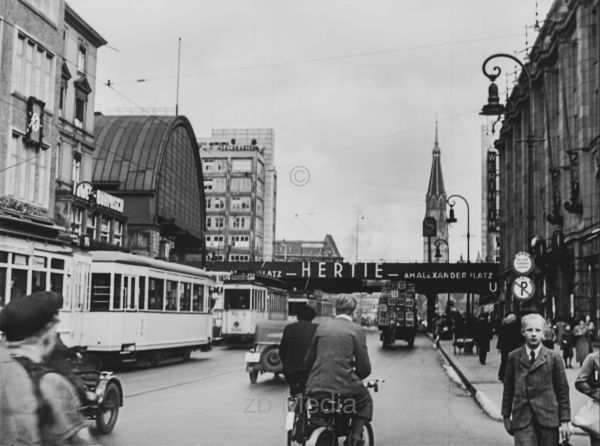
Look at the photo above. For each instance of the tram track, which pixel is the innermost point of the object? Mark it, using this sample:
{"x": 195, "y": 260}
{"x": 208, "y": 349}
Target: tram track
{"x": 181, "y": 383}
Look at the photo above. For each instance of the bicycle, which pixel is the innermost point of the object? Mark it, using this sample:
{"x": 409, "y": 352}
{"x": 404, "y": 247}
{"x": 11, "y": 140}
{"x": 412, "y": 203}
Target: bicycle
{"x": 324, "y": 421}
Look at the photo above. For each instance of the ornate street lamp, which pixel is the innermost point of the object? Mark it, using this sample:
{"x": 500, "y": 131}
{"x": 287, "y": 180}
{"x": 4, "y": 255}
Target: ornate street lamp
{"x": 438, "y": 253}
{"x": 452, "y": 219}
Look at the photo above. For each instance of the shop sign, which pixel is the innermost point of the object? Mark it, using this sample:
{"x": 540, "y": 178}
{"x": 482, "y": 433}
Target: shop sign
{"x": 35, "y": 122}
{"x": 491, "y": 192}
{"x": 86, "y": 191}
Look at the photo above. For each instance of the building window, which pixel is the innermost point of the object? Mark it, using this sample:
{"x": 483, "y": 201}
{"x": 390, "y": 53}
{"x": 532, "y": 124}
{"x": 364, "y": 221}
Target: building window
{"x": 80, "y": 108}
{"x": 241, "y": 165}
{"x": 77, "y": 220}
{"x": 239, "y": 257}
{"x": 62, "y": 98}
{"x": 33, "y": 70}
{"x": 240, "y": 222}
{"x": 208, "y": 165}
{"x": 219, "y": 203}
{"x": 90, "y": 227}
{"x": 240, "y": 241}
{"x": 219, "y": 222}
{"x": 27, "y": 172}
{"x": 76, "y": 168}
{"x": 104, "y": 229}
{"x": 81, "y": 58}
{"x": 118, "y": 233}
{"x": 241, "y": 185}
{"x": 240, "y": 204}
{"x": 260, "y": 189}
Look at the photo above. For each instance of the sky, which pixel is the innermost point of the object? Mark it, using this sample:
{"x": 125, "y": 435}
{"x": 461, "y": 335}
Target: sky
{"x": 351, "y": 88}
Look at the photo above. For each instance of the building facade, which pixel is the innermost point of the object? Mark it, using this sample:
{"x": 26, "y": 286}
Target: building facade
{"x": 564, "y": 105}
{"x": 307, "y": 250}
{"x": 435, "y": 206}
{"x": 240, "y": 188}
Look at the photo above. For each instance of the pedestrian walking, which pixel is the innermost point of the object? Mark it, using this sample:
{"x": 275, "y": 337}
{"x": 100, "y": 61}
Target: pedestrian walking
{"x": 566, "y": 344}
{"x": 581, "y": 337}
{"x": 483, "y": 335}
{"x": 588, "y": 382}
{"x": 509, "y": 338}
{"x": 293, "y": 347}
{"x": 549, "y": 335}
{"x": 559, "y": 329}
{"x": 535, "y": 400}
{"x": 29, "y": 326}
{"x": 591, "y": 327}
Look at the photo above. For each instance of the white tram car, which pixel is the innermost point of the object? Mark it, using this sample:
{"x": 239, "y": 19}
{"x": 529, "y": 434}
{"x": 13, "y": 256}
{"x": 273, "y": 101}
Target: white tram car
{"x": 249, "y": 299}
{"x": 142, "y": 308}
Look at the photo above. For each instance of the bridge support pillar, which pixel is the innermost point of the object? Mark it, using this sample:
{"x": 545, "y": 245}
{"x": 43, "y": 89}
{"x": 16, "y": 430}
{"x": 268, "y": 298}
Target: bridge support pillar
{"x": 431, "y": 301}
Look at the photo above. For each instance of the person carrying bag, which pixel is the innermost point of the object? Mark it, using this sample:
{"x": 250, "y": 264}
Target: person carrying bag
{"x": 588, "y": 382}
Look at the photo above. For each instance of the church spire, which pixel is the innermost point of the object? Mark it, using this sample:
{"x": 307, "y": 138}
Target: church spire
{"x": 436, "y": 180}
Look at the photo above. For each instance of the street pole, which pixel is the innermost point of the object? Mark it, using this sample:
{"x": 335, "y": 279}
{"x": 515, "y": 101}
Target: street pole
{"x": 451, "y": 219}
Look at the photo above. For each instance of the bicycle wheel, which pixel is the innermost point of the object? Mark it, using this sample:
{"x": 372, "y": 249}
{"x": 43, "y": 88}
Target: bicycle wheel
{"x": 368, "y": 437}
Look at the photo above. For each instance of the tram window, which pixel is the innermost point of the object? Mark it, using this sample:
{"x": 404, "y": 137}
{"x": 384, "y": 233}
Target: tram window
{"x": 171, "y": 296}
{"x": 156, "y": 294}
{"x": 3, "y": 257}
{"x": 132, "y": 290}
{"x": 57, "y": 264}
{"x": 19, "y": 283}
{"x": 56, "y": 284}
{"x": 100, "y": 298}
{"x": 2, "y": 287}
{"x": 38, "y": 281}
{"x": 198, "y": 298}
{"x": 186, "y": 296}
{"x": 142, "y": 298}
{"x": 117, "y": 292}
{"x": 237, "y": 299}
{"x": 39, "y": 261}
{"x": 19, "y": 259}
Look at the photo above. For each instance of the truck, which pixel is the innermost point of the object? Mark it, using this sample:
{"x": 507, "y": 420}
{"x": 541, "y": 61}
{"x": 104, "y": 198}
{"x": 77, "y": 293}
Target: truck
{"x": 397, "y": 313}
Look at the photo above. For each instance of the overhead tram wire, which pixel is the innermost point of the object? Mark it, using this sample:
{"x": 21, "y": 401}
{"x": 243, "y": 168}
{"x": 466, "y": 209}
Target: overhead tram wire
{"x": 319, "y": 59}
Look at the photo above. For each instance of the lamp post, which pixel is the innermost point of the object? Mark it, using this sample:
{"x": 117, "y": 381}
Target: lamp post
{"x": 452, "y": 219}
{"x": 495, "y": 108}
{"x": 362, "y": 217}
{"x": 438, "y": 253}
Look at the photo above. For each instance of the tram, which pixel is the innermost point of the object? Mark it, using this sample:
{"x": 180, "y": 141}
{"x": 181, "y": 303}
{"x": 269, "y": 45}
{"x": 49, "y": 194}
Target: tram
{"x": 140, "y": 308}
{"x": 249, "y": 299}
{"x": 323, "y": 307}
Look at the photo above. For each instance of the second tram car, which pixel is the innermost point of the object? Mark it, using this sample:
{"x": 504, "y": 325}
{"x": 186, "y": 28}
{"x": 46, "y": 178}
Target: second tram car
{"x": 248, "y": 299}
{"x": 142, "y": 308}
{"x": 323, "y": 307}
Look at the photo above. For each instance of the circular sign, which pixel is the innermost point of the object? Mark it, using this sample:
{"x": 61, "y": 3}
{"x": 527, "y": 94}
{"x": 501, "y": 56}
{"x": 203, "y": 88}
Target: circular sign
{"x": 523, "y": 288}
{"x": 523, "y": 263}
{"x": 35, "y": 122}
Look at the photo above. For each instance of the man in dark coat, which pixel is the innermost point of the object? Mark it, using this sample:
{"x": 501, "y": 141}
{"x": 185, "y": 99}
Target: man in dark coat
{"x": 535, "y": 401}
{"x": 293, "y": 347}
{"x": 483, "y": 334}
{"x": 338, "y": 360}
{"x": 509, "y": 338}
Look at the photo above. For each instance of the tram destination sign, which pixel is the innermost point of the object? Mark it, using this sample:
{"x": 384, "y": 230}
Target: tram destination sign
{"x": 452, "y": 277}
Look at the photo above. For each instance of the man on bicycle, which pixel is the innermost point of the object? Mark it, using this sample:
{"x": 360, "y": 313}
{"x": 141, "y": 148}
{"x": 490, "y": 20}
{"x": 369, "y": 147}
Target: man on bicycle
{"x": 338, "y": 362}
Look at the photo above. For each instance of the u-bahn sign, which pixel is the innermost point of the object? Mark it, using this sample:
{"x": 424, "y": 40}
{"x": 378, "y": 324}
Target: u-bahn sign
{"x": 479, "y": 278}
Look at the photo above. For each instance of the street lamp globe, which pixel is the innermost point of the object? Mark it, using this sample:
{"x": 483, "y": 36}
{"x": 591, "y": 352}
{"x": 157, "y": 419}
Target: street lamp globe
{"x": 493, "y": 107}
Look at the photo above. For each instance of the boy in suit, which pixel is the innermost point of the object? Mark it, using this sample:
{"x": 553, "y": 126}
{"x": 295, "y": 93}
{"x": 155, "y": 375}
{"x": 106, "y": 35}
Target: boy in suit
{"x": 535, "y": 402}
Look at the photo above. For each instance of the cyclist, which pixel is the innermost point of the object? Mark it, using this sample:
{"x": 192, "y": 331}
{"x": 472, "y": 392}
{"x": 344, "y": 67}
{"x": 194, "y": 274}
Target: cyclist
{"x": 293, "y": 347}
{"x": 338, "y": 361}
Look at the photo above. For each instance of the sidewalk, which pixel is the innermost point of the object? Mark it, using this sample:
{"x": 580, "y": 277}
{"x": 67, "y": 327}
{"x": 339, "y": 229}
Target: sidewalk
{"x": 482, "y": 380}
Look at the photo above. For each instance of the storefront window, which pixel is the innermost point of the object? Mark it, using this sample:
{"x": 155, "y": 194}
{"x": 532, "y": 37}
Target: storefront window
{"x": 90, "y": 229}
{"x": 118, "y": 233}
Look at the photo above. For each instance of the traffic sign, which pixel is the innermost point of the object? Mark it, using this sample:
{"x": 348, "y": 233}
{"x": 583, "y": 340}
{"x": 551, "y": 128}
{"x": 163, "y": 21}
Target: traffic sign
{"x": 429, "y": 227}
{"x": 523, "y": 263}
{"x": 523, "y": 288}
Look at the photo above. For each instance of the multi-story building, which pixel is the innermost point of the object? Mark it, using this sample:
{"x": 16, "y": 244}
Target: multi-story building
{"x": 490, "y": 251}
{"x": 240, "y": 188}
{"x": 307, "y": 250}
{"x": 564, "y": 105}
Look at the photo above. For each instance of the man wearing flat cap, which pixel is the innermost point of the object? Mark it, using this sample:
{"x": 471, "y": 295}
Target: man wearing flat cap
{"x": 29, "y": 327}
{"x": 338, "y": 362}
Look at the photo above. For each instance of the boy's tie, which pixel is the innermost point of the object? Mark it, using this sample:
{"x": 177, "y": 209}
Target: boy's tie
{"x": 532, "y": 356}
